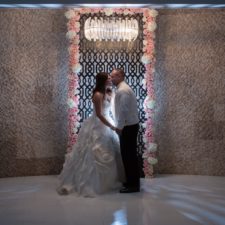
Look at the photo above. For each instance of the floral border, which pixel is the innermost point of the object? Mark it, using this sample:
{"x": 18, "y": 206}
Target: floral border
{"x": 148, "y": 59}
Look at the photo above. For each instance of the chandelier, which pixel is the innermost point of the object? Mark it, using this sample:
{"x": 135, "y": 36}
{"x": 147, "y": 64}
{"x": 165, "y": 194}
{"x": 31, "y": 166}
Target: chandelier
{"x": 111, "y": 29}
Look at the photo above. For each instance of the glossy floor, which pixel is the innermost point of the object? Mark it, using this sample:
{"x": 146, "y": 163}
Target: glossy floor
{"x": 164, "y": 200}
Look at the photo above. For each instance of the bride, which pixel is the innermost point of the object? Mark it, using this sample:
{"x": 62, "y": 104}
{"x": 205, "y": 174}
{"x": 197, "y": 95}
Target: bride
{"x": 94, "y": 166}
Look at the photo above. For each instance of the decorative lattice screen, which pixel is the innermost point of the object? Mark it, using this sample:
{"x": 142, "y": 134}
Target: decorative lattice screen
{"x": 106, "y": 55}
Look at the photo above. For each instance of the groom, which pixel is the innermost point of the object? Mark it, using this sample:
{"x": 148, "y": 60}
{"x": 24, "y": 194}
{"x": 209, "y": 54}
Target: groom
{"x": 126, "y": 116}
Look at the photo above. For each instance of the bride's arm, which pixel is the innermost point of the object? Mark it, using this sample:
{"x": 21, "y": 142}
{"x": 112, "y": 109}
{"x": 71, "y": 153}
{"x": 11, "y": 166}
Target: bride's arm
{"x": 97, "y": 100}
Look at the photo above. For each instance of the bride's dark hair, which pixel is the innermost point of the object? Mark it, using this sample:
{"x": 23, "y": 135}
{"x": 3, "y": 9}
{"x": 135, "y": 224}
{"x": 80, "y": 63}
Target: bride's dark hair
{"x": 101, "y": 79}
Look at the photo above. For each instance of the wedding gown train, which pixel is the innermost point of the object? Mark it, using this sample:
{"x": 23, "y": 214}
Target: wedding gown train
{"x": 94, "y": 166}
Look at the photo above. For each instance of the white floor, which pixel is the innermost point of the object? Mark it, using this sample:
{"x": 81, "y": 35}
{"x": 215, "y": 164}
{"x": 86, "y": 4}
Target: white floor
{"x": 164, "y": 200}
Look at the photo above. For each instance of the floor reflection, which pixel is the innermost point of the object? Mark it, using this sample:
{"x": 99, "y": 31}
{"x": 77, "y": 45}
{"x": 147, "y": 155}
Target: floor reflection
{"x": 175, "y": 200}
{"x": 202, "y": 202}
{"x": 120, "y": 217}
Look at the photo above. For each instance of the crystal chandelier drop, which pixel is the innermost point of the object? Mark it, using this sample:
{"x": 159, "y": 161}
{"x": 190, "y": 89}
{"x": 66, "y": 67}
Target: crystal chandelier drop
{"x": 111, "y": 29}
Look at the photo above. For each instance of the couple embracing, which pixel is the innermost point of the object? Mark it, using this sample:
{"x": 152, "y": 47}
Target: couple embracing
{"x": 105, "y": 154}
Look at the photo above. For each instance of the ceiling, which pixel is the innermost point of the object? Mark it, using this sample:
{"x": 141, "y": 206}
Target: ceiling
{"x": 112, "y": 3}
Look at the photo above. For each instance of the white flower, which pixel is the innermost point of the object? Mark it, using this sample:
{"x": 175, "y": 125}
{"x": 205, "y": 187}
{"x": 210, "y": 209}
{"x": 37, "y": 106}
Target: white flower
{"x": 151, "y": 26}
{"x": 151, "y": 147}
{"x": 75, "y": 129}
{"x": 71, "y": 34}
{"x": 77, "y": 25}
{"x": 145, "y": 155}
{"x": 152, "y": 160}
{"x": 71, "y": 49}
{"x": 144, "y": 139}
{"x": 89, "y": 10}
{"x": 144, "y": 125}
{"x": 76, "y": 68}
{"x": 71, "y": 103}
{"x": 126, "y": 12}
{"x": 76, "y": 41}
{"x": 76, "y": 92}
{"x": 145, "y": 42}
{"x": 144, "y": 83}
{"x": 76, "y": 10}
{"x": 144, "y": 19}
{"x": 153, "y": 13}
{"x": 77, "y": 124}
{"x": 145, "y": 59}
{"x": 70, "y": 14}
{"x": 108, "y": 12}
{"x": 149, "y": 103}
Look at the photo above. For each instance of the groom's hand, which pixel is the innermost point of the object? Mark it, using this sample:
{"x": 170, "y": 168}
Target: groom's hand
{"x": 118, "y": 131}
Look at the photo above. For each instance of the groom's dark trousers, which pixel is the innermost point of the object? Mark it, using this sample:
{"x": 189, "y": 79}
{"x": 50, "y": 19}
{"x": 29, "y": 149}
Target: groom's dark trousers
{"x": 128, "y": 147}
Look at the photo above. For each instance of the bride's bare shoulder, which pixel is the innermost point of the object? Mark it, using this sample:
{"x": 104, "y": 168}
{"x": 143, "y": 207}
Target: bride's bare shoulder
{"x": 97, "y": 96}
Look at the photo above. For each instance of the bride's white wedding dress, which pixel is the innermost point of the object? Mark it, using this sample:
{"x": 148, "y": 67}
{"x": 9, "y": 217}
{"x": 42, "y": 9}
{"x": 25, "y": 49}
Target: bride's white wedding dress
{"x": 94, "y": 166}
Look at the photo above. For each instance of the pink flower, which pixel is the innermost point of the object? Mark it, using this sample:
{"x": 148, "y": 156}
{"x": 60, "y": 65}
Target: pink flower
{"x": 149, "y": 19}
{"x": 146, "y": 164}
{"x": 149, "y": 66}
{"x": 77, "y": 17}
{"x": 119, "y": 10}
{"x": 96, "y": 10}
{"x": 72, "y": 25}
{"x": 145, "y": 31}
{"x": 72, "y": 111}
{"x": 85, "y": 10}
{"x": 135, "y": 10}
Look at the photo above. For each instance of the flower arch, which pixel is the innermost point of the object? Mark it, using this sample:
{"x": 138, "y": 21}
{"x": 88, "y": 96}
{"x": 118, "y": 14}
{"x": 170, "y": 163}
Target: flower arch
{"x": 148, "y": 59}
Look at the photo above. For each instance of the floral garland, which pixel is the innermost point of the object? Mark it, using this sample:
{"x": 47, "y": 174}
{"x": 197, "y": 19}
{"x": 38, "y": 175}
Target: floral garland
{"x": 148, "y": 59}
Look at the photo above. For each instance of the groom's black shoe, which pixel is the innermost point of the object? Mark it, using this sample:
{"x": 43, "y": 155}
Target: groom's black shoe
{"x": 129, "y": 189}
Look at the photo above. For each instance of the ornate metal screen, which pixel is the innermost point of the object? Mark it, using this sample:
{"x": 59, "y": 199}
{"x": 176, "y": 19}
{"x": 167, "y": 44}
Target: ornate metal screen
{"x": 104, "y": 56}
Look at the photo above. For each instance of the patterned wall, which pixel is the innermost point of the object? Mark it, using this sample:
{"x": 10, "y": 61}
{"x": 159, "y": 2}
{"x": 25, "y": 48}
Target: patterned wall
{"x": 33, "y": 67}
{"x": 190, "y": 91}
{"x": 189, "y": 85}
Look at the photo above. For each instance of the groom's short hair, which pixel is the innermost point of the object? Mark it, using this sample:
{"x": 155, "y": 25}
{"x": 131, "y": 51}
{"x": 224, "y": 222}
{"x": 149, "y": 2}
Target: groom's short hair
{"x": 121, "y": 71}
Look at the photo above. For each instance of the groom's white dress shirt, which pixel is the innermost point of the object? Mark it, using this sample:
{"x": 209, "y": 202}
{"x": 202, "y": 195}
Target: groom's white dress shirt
{"x": 125, "y": 103}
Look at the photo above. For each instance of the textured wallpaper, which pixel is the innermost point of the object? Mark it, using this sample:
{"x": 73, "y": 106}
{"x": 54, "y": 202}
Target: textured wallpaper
{"x": 33, "y": 68}
{"x": 189, "y": 86}
{"x": 190, "y": 91}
